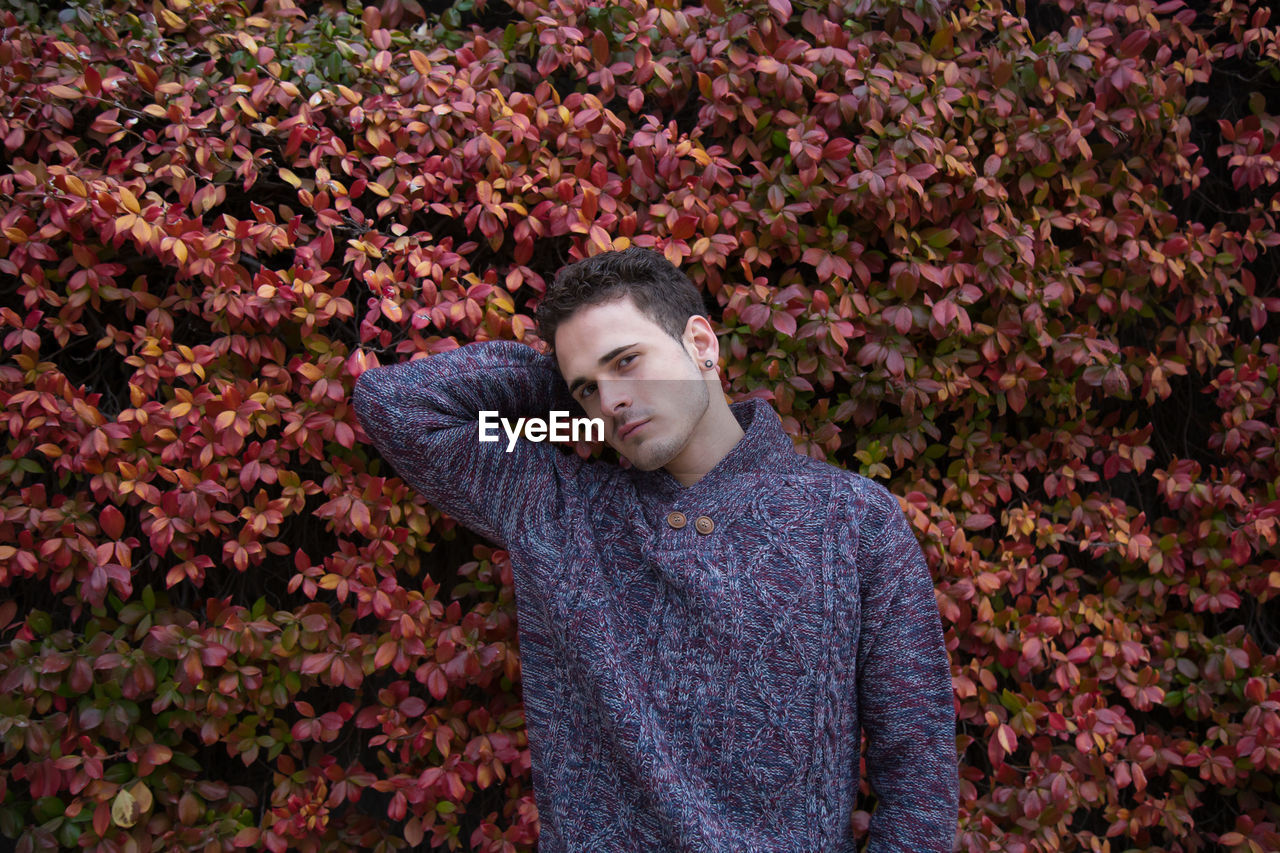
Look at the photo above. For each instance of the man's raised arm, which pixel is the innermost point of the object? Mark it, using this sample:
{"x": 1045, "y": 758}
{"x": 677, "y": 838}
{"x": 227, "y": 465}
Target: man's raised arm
{"x": 423, "y": 416}
{"x": 905, "y": 695}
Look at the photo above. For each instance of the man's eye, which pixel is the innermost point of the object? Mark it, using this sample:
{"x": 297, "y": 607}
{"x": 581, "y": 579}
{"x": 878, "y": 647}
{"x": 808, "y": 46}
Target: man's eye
{"x": 626, "y": 359}
{"x": 586, "y": 392}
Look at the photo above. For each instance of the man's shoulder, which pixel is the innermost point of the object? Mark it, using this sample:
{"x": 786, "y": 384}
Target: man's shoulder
{"x": 842, "y": 481}
{"x": 853, "y": 499}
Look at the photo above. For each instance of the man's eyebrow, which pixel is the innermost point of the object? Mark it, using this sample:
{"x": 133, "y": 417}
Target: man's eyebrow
{"x": 604, "y": 359}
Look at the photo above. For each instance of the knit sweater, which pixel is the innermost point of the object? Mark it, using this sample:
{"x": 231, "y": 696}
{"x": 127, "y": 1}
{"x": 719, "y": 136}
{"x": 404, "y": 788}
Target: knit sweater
{"x": 692, "y": 687}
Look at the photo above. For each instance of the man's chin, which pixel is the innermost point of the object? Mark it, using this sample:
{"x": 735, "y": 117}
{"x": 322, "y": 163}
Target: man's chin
{"x": 641, "y": 461}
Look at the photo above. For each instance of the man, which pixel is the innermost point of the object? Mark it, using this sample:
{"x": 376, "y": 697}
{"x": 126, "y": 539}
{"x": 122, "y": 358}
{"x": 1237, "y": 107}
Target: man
{"x": 702, "y": 633}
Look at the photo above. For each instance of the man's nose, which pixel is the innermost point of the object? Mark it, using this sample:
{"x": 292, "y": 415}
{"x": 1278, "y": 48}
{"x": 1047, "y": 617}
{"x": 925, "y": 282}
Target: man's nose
{"x": 614, "y": 397}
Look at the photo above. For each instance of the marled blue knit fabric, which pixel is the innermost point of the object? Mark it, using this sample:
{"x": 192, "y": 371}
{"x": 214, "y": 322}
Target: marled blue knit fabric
{"x": 682, "y": 691}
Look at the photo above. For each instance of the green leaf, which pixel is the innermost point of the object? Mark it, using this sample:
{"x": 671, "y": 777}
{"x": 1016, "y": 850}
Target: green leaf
{"x": 939, "y": 237}
{"x": 47, "y": 808}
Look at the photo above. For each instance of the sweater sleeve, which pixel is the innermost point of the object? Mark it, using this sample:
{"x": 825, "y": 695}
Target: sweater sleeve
{"x": 424, "y": 418}
{"x": 905, "y": 692}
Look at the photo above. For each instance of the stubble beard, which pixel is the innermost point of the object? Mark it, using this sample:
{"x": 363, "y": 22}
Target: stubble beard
{"x": 655, "y": 452}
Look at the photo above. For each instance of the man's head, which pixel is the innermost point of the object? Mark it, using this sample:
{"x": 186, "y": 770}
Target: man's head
{"x": 632, "y": 341}
{"x": 657, "y": 287}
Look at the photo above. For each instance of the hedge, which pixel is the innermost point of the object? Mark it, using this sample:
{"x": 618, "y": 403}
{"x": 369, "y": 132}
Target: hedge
{"x": 1016, "y": 261}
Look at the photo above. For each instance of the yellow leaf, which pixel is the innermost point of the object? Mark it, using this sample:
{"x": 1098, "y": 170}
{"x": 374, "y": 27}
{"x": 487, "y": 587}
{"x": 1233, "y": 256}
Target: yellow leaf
{"x": 142, "y": 794}
{"x": 64, "y": 92}
{"x": 504, "y": 302}
{"x": 289, "y": 178}
{"x": 155, "y": 110}
{"x": 76, "y": 186}
{"x": 180, "y": 251}
{"x": 247, "y": 107}
{"x": 420, "y": 62}
{"x": 129, "y": 200}
{"x": 124, "y": 809}
{"x": 173, "y": 19}
{"x": 378, "y": 189}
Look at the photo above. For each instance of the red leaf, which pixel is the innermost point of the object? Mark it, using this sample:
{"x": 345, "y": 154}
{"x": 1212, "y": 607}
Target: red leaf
{"x": 684, "y": 228}
{"x": 784, "y": 323}
{"x": 102, "y": 818}
{"x": 437, "y": 683}
{"x": 837, "y": 149}
{"x": 112, "y": 522}
{"x": 979, "y": 521}
{"x": 317, "y": 663}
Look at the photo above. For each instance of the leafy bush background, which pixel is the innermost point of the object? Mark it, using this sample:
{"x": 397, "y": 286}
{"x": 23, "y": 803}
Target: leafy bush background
{"x": 1016, "y": 261}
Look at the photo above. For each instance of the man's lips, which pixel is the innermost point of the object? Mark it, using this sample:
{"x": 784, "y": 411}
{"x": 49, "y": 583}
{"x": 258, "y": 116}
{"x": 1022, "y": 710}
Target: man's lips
{"x": 630, "y": 427}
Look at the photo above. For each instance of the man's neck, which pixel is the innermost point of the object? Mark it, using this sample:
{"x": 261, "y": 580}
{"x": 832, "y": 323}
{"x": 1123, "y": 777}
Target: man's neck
{"x": 717, "y": 434}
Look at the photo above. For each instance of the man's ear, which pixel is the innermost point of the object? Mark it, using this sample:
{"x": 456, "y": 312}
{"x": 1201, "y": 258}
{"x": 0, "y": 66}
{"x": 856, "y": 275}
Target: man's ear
{"x": 700, "y": 341}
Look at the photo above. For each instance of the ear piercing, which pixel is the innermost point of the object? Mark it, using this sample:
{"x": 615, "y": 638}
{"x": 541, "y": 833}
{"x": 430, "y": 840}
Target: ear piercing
{"x": 709, "y": 363}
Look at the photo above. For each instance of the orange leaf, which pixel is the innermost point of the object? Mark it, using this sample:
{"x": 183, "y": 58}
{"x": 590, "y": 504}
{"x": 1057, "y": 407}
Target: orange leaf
{"x": 65, "y": 92}
{"x": 359, "y": 515}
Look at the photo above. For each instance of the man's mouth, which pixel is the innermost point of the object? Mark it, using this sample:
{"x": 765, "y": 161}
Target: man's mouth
{"x": 630, "y": 427}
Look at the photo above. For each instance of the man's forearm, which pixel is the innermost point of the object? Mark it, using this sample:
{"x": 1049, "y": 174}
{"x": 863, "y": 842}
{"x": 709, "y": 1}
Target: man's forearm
{"x": 906, "y": 697}
{"x": 423, "y": 416}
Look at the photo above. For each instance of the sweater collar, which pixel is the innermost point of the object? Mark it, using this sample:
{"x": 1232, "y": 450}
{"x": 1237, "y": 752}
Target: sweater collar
{"x": 764, "y": 448}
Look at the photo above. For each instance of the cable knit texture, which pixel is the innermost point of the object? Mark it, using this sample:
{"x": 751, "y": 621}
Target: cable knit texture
{"x": 687, "y": 691}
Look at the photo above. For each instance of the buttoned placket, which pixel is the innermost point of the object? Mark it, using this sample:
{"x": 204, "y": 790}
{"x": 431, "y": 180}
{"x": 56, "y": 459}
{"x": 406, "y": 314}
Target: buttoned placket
{"x": 670, "y": 508}
{"x": 677, "y": 520}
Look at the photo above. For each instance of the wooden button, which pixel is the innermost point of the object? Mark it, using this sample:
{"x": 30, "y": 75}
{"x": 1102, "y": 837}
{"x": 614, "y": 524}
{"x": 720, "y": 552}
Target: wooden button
{"x": 704, "y": 525}
{"x": 677, "y": 520}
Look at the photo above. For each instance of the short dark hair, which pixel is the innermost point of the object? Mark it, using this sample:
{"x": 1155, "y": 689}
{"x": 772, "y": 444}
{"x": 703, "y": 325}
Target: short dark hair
{"x": 658, "y": 287}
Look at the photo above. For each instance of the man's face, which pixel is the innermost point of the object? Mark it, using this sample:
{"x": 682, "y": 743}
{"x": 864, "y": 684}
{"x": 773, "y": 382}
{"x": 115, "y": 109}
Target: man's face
{"x": 624, "y": 368}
